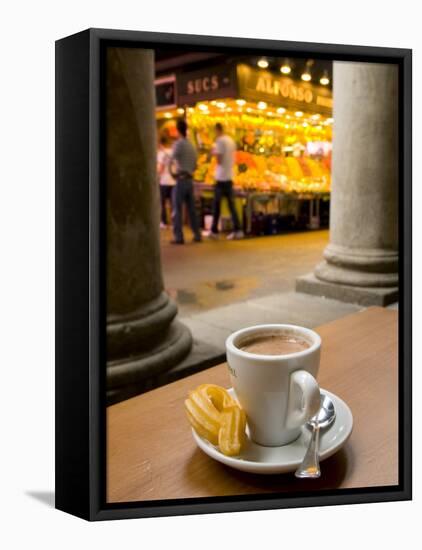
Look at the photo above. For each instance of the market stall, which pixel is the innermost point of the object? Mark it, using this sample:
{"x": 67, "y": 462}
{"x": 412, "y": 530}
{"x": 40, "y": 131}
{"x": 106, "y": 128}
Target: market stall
{"x": 283, "y": 132}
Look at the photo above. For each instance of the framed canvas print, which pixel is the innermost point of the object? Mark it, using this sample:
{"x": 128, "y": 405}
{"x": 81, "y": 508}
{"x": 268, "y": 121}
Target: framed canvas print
{"x": 233, "y": 322}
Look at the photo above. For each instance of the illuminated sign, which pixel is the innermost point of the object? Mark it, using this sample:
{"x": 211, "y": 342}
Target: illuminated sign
{"x": 210, "y": 83}
{"x": 258, "y": 85}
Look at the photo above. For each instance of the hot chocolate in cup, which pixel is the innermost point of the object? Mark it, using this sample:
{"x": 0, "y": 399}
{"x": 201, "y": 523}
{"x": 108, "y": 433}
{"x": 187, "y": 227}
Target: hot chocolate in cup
{"x": 273, "y": 371}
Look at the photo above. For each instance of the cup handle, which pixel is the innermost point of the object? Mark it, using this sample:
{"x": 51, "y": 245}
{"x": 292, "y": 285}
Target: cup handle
{"x": 304, "y": 399}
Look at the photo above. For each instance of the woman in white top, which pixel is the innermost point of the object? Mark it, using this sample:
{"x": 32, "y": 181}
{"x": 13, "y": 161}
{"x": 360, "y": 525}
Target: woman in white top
{"x": 165, "y": 178}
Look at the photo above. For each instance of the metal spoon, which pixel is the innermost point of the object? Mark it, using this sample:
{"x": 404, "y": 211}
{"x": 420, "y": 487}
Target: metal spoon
{"x": 324, "y": 417}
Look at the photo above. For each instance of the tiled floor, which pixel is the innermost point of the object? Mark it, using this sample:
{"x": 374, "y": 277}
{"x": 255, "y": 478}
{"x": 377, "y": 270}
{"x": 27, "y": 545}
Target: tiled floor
{"x": 205, "y": 276}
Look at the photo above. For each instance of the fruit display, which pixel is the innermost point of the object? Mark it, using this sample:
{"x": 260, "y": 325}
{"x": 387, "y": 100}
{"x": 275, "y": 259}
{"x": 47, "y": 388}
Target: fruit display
{"x": 217, "y": 417}
{"x": 273, "y": 153}
{"x": 271, "y": 173}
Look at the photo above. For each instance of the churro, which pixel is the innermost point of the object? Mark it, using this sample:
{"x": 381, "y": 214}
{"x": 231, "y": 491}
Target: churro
{"x": 217, "y": 417}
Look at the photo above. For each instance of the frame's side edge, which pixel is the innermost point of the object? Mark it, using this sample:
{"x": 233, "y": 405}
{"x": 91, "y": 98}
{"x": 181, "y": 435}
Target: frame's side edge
{"x": 405, "y": 336}
{"x": 97, "y": 268}
{"x": 72, "y": 264}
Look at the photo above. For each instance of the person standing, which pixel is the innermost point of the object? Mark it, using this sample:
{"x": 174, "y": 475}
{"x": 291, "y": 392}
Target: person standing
{"x": 224, "y": 150}
{"x": 184, "y": 159}
{"x": 165, "y": 178}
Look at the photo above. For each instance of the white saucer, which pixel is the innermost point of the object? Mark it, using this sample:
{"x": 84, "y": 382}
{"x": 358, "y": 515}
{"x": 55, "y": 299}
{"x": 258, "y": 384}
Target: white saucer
{"x": 276, "y": 460}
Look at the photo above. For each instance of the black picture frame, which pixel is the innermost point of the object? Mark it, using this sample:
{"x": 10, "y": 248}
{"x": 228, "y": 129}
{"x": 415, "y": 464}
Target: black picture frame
{"x": 80, "y": 276}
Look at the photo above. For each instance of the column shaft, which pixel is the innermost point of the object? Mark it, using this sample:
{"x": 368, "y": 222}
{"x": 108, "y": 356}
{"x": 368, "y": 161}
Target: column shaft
{"x": 142, "y": 337}
{"x": 363, "y": 249}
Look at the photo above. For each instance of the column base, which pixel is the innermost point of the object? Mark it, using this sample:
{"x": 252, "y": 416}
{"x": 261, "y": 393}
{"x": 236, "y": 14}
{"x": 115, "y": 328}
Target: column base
{"x": 135, "y": 333}
{"x": 364, "y": 296}
{"x": 359, "y": 267}
{"x": 122, "y": 374}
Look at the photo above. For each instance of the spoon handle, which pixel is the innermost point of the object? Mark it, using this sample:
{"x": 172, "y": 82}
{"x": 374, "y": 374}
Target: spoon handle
{"x": 310, "y": 463}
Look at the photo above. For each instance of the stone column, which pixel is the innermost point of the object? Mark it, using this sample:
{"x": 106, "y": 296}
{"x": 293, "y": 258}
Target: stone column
{"x": 361, "y": 261}
{"x": 143, "y": 337}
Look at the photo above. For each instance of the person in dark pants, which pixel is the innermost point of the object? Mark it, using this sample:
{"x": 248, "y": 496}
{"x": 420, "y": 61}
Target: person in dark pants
{"x": 224, "y": 150}
{"x": 184, "y": 158}
{"x": 166, "y": 194}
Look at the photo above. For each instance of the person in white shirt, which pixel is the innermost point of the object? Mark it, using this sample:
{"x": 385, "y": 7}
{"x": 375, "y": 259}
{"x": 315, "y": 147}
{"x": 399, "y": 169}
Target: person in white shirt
{"x": 165, "y": 178}
{"x": 224, "y": 150}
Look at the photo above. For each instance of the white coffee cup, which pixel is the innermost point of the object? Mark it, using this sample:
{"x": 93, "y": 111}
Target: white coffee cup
{"x": 279, "y": 393}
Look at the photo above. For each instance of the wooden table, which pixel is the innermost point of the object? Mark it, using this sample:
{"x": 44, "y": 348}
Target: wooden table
{"x": 151, "y": 454}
